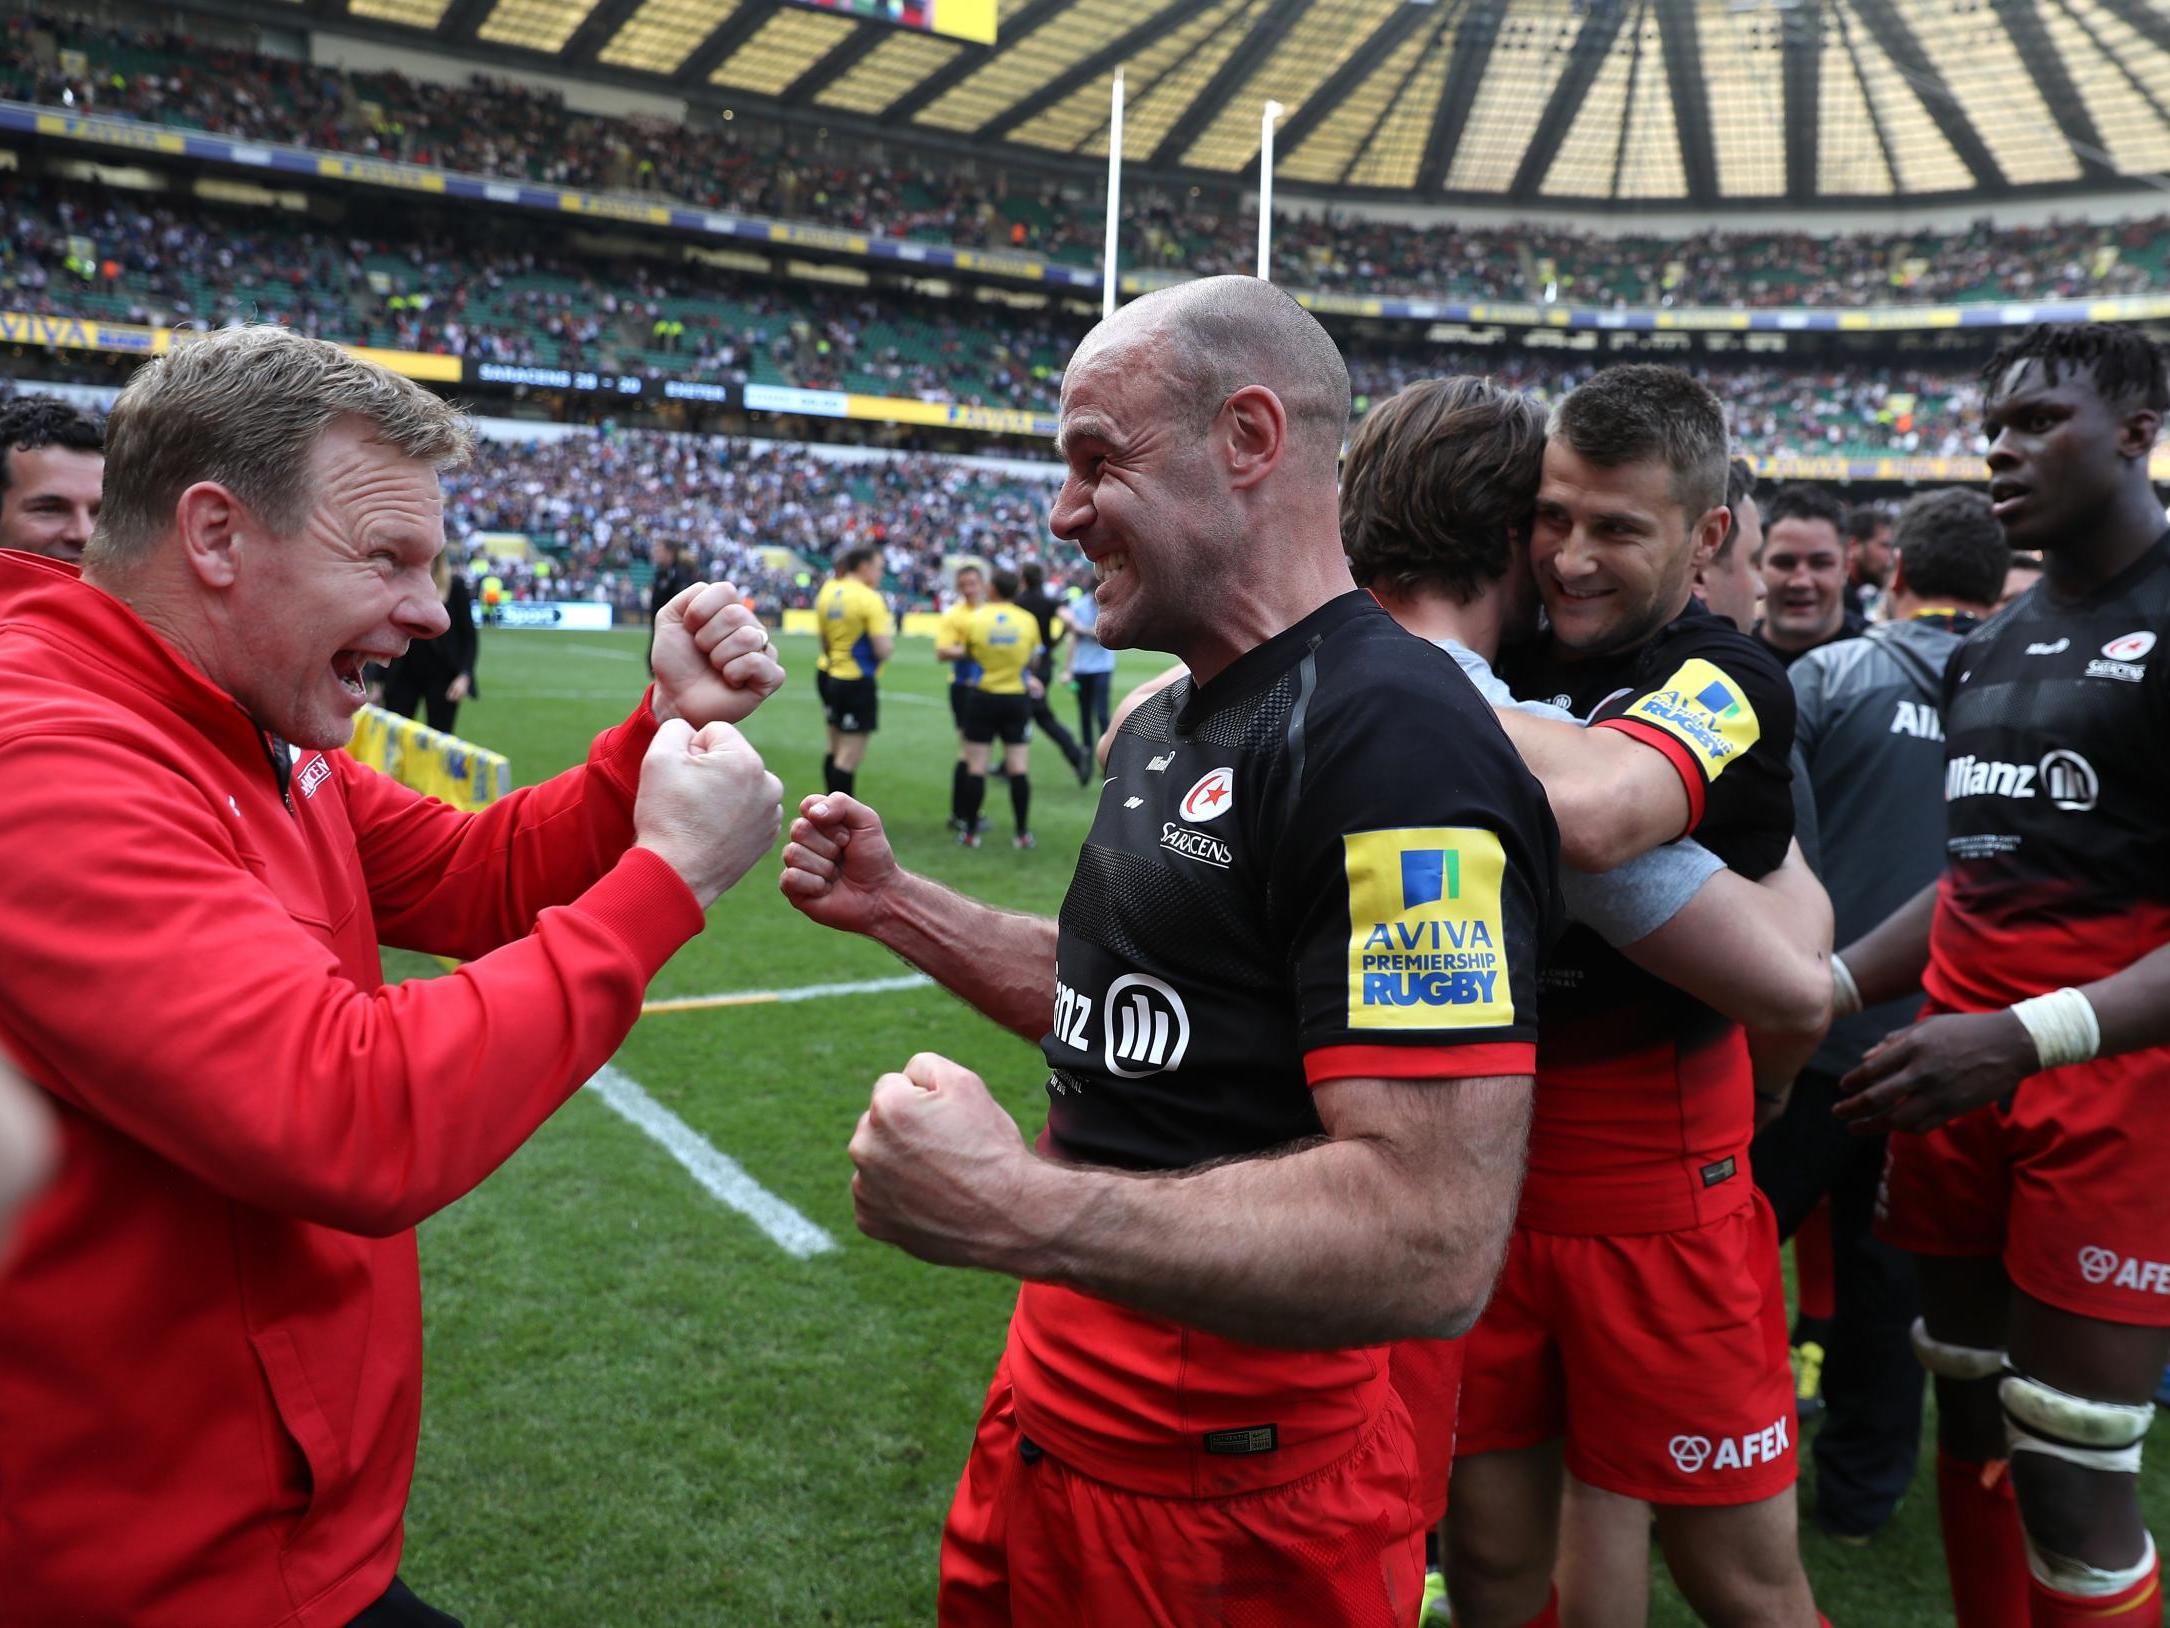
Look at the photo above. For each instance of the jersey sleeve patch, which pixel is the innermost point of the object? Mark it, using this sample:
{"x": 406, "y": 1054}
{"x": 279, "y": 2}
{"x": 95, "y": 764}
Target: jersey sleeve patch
{"x": 1427, "y": 939}
{"x": 1706, "y": 712}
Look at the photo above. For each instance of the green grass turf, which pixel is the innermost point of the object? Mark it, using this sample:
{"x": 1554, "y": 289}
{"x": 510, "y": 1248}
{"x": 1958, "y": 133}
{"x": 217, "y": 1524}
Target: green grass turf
{"x": 639, "y": 1410}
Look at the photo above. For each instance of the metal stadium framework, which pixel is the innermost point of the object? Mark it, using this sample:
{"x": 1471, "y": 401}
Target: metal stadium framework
{"x": 1641, "y": 104}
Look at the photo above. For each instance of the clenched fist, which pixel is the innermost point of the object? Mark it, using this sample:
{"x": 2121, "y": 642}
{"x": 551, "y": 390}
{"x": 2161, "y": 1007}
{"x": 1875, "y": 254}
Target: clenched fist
{"x": 712, "y": 658}
{"x": 706, "y": 806}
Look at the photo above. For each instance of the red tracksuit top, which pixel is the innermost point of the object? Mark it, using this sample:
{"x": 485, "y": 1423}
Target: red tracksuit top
{"x": 210, "y": 1325}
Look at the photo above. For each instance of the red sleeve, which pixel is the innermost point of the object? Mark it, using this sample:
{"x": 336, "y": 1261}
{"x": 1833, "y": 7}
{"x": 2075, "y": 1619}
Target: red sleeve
{"x": 1682, "y": 760}
{"x": 156, "y": 982}
{"x": 451, "y": 883}
{"x": 1328, "y": 1063}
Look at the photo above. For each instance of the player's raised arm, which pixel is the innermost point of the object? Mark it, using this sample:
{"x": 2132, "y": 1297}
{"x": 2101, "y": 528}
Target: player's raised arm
{"x": 839, "y": 870}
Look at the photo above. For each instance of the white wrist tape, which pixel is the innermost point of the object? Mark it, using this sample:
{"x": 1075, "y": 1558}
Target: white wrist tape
{"x": 1845, "y": 993}
{"x": 2062, "y": 1024}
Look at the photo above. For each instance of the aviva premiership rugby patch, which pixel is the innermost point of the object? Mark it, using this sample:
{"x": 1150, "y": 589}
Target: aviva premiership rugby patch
{"x": 1427, "y": 946}
{"x": 1705, "y": 711}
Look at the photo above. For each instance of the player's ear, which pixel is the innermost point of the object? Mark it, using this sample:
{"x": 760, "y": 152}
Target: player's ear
{"x": 1253, "y": 429}
{"x": 1709, "y": 536}
{"x": 2138, "y": 432}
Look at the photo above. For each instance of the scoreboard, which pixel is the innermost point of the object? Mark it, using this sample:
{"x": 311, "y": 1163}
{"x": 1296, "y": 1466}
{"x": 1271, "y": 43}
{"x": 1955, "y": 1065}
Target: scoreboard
{"x": 972, "y": 20}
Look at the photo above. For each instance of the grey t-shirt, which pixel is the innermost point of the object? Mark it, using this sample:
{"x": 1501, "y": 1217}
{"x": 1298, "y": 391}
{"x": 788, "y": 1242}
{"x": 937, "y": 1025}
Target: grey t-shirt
{"x": 1634, "y": 900}
{"x": 1869, "y": 789}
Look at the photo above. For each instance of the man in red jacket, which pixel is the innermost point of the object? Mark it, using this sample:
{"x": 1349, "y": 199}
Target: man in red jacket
{"x": 211, "y": 1353}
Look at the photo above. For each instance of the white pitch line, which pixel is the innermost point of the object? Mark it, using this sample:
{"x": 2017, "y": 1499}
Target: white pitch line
{"x": 723, "y": 1176}
{"x": 802, "y": 992}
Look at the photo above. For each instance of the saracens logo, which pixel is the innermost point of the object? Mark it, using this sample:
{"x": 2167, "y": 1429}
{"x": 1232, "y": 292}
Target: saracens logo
{"x": 1212, "y": 797}
{"x": 2131, "y": 647}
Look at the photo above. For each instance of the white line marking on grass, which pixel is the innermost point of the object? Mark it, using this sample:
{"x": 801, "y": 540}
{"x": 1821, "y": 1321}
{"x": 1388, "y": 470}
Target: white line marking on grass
{"x": 770, "y": 997}
{"x": 599, "y": 651}
{"x": 723, "y": 1176}
{"x": 912, "y": 700}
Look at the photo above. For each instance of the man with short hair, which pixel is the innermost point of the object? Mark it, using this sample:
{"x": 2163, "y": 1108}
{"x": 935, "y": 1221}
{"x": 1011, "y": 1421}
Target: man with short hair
{"x": 1286, "y": 1013}
{"x": 1868, "y": 780}
{"x": 1640, "y": 1320}
{"x": 857, "y": 635}
{"x": 1871, "y": 556}
{"x": 211, "y": 1368}
{"x": 952, "y": 646}
{"x": 1730, "y": 583}
{"x": 1437, "y": 494}
{"x": 52, "y": 462}
{"x": 1804, "y": 573}
{"x": 2029, "y": 1178}
{"x": 1000, "y": 640}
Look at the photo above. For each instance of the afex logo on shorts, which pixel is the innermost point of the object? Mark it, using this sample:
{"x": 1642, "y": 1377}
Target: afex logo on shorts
{"x": 2099, "y": 1265}
{"x": 1693, "y": 1453}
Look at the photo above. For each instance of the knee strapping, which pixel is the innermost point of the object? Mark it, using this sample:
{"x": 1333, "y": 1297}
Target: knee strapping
{"x": 1955, "y": 1361}
{"x": 2103, "y": 1436}
{"x": 2077, "y": 1580}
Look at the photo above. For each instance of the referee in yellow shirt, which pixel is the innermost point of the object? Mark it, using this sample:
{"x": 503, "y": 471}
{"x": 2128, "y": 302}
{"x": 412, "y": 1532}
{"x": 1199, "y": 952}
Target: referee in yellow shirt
{"x": 1002, "y": 638}
{"x": 964, "y": 672}
{"x": 857, "y": 634}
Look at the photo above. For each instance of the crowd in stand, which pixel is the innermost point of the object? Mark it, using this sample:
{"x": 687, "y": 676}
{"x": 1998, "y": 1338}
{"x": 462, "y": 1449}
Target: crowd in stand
{"x": 495, "y": 128}
{"x": 115, "y": 255}
{"x": 765, "y": 515}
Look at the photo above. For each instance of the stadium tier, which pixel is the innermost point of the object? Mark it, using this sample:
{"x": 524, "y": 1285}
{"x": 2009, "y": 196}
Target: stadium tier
{"x": 490, "y": 127}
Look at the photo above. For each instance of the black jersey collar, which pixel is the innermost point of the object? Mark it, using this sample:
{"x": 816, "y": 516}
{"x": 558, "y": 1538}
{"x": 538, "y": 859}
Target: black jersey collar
{"x": 1263, "y": 663}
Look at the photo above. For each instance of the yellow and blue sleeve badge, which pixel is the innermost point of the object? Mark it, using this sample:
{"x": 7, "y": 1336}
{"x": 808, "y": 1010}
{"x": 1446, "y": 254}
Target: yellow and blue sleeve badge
{"x": 1704, "y": 710}
{"x": 1427, "y": 939}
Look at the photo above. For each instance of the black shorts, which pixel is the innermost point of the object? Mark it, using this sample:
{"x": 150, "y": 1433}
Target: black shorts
{"x": 821, "y": 685}
{"x": 1007, "y": 718}
{"x": 854, "y": 706}
{"x": 960, "y": 703}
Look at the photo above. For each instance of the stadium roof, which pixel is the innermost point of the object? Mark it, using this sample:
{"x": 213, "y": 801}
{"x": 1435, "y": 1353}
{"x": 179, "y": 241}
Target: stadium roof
{"x": 1526, "y": 102}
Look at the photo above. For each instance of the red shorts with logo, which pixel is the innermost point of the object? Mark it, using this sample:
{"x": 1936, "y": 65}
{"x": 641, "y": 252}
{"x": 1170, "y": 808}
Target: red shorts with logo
{"x": 1032, "y": 1543}
{"x": 1659, "y": 1357}
{"x": 1427, "y": 1376}
{"x": 2070, "y": 1185}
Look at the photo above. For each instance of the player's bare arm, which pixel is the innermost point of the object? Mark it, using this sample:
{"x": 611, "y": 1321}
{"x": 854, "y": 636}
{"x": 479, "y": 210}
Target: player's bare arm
{"x": 1888, "y": 960}
{"x": 1612, "y": 796}
{"x": 1392, "y": 1227}
{"x": 1942, "y": 1067}
{"x": 1756, "y": 952}
{"x": 840, "y": 871}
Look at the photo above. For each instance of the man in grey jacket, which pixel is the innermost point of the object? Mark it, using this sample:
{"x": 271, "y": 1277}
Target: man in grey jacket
{"x": 1868, "y": 791}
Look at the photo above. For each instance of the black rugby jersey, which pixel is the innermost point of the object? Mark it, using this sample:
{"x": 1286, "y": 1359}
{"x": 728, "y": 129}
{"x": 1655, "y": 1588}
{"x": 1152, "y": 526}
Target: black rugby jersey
{"x": 2056, "y": 792}
{"x": 1327, "y": 863}
{"x": 1644, "y": 1099}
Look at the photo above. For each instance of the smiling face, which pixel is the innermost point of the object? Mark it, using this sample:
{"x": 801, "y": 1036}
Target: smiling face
{"x": 303, "y": 614}
{"x": 1613, "y": 551}
{"x": 50, "y": 503}
{"x": 1143, "y": 498}
{"x": 1804, "y": 580}
{"x": 2057, "y": 456}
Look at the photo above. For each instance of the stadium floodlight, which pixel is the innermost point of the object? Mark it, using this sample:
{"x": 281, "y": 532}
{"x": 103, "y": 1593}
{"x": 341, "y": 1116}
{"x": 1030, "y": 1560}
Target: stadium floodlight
{"x": 1265, "y": 191}
{"x": 1115, "y": 196}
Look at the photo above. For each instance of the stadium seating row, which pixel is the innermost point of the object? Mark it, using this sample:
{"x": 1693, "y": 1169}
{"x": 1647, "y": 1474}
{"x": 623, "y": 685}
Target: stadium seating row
{"x": 493, "y": 128}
